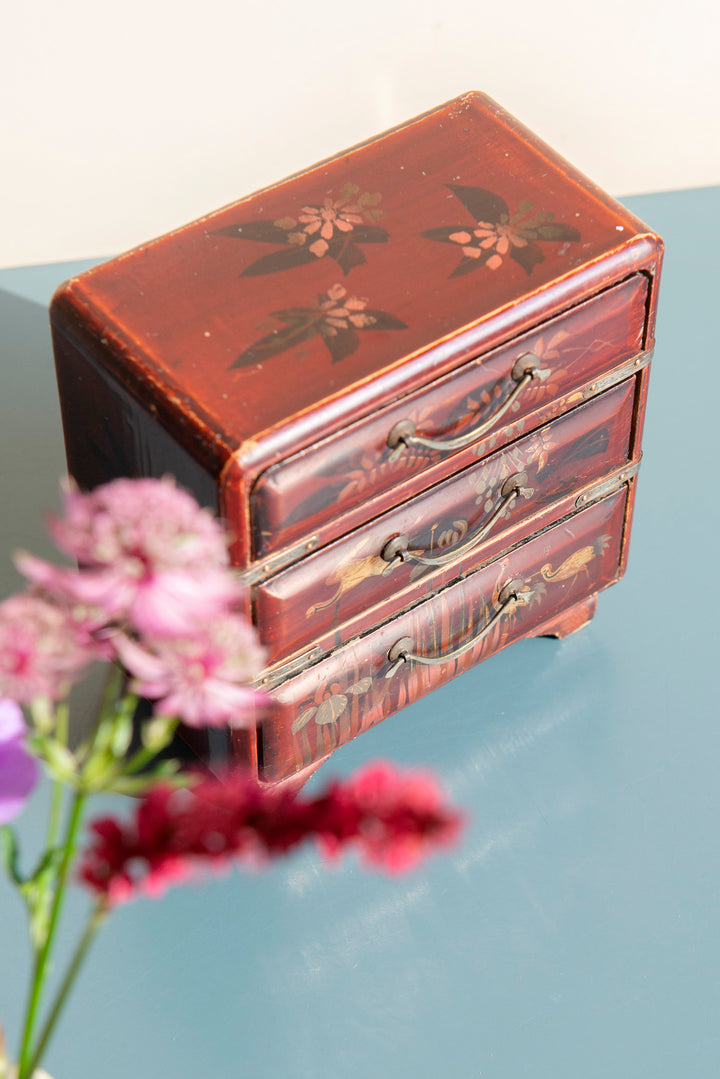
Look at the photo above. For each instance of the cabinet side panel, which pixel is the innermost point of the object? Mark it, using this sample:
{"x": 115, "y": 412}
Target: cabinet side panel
{"x": 108, "y": 432}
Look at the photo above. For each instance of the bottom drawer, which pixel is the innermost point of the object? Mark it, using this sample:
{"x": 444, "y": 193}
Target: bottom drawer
{"x": 370, "y": 678}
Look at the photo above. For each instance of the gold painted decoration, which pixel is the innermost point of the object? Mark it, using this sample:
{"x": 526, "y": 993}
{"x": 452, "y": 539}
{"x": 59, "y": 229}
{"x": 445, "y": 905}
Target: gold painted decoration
{"x": 576, "y": 563}
{"x": 347, "y": 576}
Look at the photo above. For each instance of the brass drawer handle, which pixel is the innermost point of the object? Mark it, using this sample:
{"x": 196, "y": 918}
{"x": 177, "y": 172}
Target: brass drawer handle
{"x": 398, "y": 550}
{"x": 403, "y": 434}
{"x": 401, "y": 652}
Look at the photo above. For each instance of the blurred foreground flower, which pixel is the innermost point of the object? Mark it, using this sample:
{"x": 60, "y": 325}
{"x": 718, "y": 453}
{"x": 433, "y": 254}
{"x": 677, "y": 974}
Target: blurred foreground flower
{"x": 200, "y": 677}
{"x": 18, "y": 770}
{"x": 149, "y": 556}
{"x": 155, "y": 596}
{"x": 392, "y": 819}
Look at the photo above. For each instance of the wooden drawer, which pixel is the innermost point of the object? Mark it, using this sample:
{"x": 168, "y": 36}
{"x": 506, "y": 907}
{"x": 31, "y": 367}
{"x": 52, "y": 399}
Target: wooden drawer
{"x": 355, "y": 688}
{"x": 328, "y": 487}
{"x": 332, "y": 595}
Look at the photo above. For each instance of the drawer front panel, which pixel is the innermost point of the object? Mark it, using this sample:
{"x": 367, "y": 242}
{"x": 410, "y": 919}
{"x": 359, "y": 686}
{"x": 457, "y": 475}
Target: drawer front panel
{"x": 352, "y": 690}
{"x": 347, "y": 579}
{"x": 303, "y": 493}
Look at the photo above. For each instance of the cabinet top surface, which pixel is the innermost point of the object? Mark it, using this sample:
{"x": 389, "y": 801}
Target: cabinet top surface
{"x": 457, "y": 227}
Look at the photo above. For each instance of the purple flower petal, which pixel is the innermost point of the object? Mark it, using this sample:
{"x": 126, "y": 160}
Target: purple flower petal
{"x": 18, "y": 770}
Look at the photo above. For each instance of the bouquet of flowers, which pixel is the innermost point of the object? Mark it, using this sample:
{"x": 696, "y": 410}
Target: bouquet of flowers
{"x": 155, "y": 599}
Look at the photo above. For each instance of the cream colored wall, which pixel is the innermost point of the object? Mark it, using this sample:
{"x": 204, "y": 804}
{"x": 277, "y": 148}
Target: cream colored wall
{"x": 122, "y": 121}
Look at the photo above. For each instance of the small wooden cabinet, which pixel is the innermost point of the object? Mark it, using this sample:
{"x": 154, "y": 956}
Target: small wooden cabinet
{"x": 411, "y": 379}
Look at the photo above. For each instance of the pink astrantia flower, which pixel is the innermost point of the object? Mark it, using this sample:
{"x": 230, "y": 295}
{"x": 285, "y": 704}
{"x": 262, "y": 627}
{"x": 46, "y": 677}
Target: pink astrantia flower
{"x": 41, "y": 651}
{"x": 18, "y": 770}
{"x": 148, "y": 554}
{"x": 199, "y": 678}
{"x": 392, "y": 819}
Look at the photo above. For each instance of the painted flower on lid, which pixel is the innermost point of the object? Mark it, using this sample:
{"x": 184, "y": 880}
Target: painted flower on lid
{"x": 496, "y": 234}
{"x": 330, "y": 228}
{"x": 336, "y": 317}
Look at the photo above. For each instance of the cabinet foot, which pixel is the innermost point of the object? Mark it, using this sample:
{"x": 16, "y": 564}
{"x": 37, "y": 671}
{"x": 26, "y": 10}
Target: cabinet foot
{"x": 294, "y": 783}
{"x": 562, "y": 625}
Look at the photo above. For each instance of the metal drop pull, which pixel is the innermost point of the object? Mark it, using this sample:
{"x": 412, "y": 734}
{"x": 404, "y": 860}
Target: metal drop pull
{"x": 404, "y": 434}
{"x": 398, "y": 549}
{"x": 402, "y": 651}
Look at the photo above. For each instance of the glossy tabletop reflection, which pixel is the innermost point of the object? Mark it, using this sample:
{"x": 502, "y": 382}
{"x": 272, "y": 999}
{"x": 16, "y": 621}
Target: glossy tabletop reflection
{"x": 574, "y": 931}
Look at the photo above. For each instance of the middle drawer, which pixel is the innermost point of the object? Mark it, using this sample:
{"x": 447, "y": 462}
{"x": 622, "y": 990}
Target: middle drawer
{"x": 428, "y": 541}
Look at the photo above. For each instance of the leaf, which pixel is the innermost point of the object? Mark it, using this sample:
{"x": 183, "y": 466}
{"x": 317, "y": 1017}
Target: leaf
{"x": 369, "y": 234}
{"x": 302, "y": 720}
{"x": 383, "y": 321}
{"x": 331, "y": 709}
{"x": 556, "y": 231}
{"x": 361, "y": 687}
{"x": 466, "y": 266}
{"x": 157, "y": 733}
{"x": 482, "y": 204}
{"x": 61, "y": 763}
{"x": 10, "y": 853}
{"x": 293, "y": 316}
{"x": 275, "y": 342}
{"x": 527, "y": 257}
{"x": 346, "y": 254}
{"x": 99, "y": 770}
{"x": 132, "y": 784}
{"x": 38, "y": 891}
{"x": 525, "y": 207}
{"x": 121, "y": 735}
{"x": 315, "y": 502}
{"x": 287, "y": 259}
{"x": 266, "y": 232}
{"x": 591, "y": 444}
{"x": 443, "y": 234}
{"x": 341, "y": 343}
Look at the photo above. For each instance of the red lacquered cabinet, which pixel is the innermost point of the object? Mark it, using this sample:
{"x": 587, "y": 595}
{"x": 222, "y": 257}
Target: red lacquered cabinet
{"x": 411, "y": 379}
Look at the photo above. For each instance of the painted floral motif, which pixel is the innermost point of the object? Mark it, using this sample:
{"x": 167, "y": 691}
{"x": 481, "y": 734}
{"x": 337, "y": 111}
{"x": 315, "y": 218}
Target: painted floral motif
{"x": 496, "y": 234}
{"x": 330, "y": 706}
{"x": 332, "y": 229}
{"x": 336, "y": 317}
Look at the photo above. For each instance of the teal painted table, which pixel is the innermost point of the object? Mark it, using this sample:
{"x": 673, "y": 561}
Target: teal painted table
{"x": 574, "y": 933}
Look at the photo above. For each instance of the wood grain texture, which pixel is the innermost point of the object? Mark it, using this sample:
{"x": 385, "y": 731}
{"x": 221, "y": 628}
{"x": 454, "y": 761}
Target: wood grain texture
{"x": 348, "y": 692}
{"x": 346, "y": 580}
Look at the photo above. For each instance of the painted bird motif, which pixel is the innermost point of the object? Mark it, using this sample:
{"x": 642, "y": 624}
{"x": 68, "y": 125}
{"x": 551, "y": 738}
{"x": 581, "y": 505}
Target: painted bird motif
{"x": 576, "y": 563}
{"x": 347, "y": 576}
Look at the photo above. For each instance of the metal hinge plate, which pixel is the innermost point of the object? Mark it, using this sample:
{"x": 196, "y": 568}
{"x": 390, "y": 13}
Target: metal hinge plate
{"x": 609, "y": 485}
{"x": 618, "y": 375}
{"x": 259, "y": 571}
{"x": 274, "y": 676}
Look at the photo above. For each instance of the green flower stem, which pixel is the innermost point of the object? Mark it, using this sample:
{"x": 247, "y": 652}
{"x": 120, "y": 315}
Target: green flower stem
{"x": 61, "y": 735}
{"x": 96, "y": 919}
{"x": 42, "y": 959}
{"x": 111, "y": 690}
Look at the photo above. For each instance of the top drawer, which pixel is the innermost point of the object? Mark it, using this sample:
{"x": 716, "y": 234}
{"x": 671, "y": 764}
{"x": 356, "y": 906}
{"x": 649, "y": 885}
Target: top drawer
{"x": 480, "y": 406}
